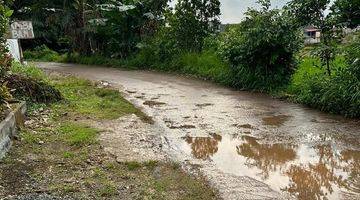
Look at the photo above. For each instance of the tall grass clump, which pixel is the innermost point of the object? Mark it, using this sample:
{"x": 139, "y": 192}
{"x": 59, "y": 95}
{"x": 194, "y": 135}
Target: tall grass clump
{"x": 43, "y": 53}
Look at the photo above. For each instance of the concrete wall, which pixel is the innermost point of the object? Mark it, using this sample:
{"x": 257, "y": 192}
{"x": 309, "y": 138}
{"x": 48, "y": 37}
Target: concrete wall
{"x": 9, "y": 127}
{"x": 14, "y": 50}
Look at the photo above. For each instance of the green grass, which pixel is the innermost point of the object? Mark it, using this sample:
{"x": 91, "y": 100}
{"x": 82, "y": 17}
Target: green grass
{"x": 89, "y": 100}
{"x": 96, "y": 60}
{"x": 43, "y": 53}
{"x": 133, "y": 165}
{"x": 28, "y": 70}
{"x": 68, "y": 154}
{"x": 310, "y": 67}
{"x": 78, "y": 134}
{"x": 29, "y": 137}
{"x": 107, "y": 190}
{"x": 338, "y": 93}
{"x": 206, "y": 65}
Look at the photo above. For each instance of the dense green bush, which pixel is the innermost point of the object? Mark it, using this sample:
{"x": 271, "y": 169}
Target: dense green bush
{"x": 42, "y": 53}
{"x": 262, "y": 49}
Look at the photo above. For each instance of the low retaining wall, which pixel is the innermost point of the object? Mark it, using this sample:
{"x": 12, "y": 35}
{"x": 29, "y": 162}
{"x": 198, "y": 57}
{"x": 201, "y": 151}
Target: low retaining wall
{"x": 9, "y": 127}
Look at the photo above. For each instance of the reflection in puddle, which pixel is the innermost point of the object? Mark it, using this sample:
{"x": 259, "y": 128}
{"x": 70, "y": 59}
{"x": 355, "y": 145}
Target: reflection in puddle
{"x": 320, "y": 172}
{"x": 267, "y": 157}
{"x": 277, "y": 120}
{"x": 203, "y": 147}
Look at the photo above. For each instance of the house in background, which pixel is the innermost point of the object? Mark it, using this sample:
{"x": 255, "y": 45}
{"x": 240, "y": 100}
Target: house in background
{"x": 312, "y": 35}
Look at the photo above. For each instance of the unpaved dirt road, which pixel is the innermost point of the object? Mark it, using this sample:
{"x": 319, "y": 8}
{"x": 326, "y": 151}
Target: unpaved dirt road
{"x": 248, "y": 145}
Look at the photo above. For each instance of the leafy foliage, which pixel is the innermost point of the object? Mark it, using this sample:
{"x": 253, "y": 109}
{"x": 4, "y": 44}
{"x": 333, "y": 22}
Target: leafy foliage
{"x": 192, "y": 22}
{"x": 42, "y": 53}
{"x": 5, "y": 14}
{"x": 312, "y": 12}
{"x": 307, "y": 12}
{"x": 347, "y": 12}
{"x": 262, "y": 48}
{"x": 92, "y": 26}
{"x": 5, "y": 59}
{"x": 126, "y": 26}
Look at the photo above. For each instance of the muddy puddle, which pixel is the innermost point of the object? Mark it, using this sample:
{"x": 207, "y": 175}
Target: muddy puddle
{"x": 307, "y": 172}
{"x": 249, "y": 145}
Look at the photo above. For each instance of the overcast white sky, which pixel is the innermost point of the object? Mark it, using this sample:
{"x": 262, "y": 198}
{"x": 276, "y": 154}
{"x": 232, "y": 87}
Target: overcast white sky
{"x": 232, "y": 11}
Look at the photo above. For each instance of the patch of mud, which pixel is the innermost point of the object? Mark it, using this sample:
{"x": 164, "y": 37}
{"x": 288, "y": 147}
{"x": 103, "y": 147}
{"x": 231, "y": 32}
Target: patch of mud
{"x": 242, "y": 187}
{"x": 203, "y": 105}
{"x": 185, "y": 126}
{"x": 277, "y": 120}
{"x": 140, "y": 97}
{"x": 130, "y": 139}
{"x": 153, "y": 103}
{"x": 245, "y": 126}
{"x": 173, "y": 125}
{"x": 131, "y": 91}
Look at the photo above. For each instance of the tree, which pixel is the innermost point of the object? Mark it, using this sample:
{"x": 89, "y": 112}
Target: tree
{"x": 262, "y": 48}
{"x": 312, "y": 12}
{"x": 193, "y": 21}
{"x": 57, "y": 20}
{"x": 307, "y": 12}
{"x": 347, "y": 12}
{"x": 125, "y": 26}
{"x": 92, "y": 26}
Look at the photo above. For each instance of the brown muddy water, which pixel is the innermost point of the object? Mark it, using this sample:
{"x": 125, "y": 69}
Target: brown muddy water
{"x": 248, "y": 145}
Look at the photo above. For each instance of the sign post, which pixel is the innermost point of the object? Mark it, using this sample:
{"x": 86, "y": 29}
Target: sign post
{"x": 21, "y": 30}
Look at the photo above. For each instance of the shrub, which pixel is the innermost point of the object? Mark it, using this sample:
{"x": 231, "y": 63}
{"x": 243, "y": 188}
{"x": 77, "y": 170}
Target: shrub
{"x": 261, "y": 49}
{"x": 43, "y": 53}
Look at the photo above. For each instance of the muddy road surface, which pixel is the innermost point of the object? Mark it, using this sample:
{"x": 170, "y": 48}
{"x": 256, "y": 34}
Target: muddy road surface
{"x": 248, "y": 145}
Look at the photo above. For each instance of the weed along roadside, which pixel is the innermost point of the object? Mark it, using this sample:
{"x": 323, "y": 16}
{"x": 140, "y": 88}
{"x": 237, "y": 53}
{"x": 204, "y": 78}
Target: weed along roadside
{"x": 70, "y": 150}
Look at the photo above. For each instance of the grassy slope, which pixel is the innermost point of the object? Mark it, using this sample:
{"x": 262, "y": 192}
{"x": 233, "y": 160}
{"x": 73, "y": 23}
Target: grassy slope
{"x": 58, "y": 155}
